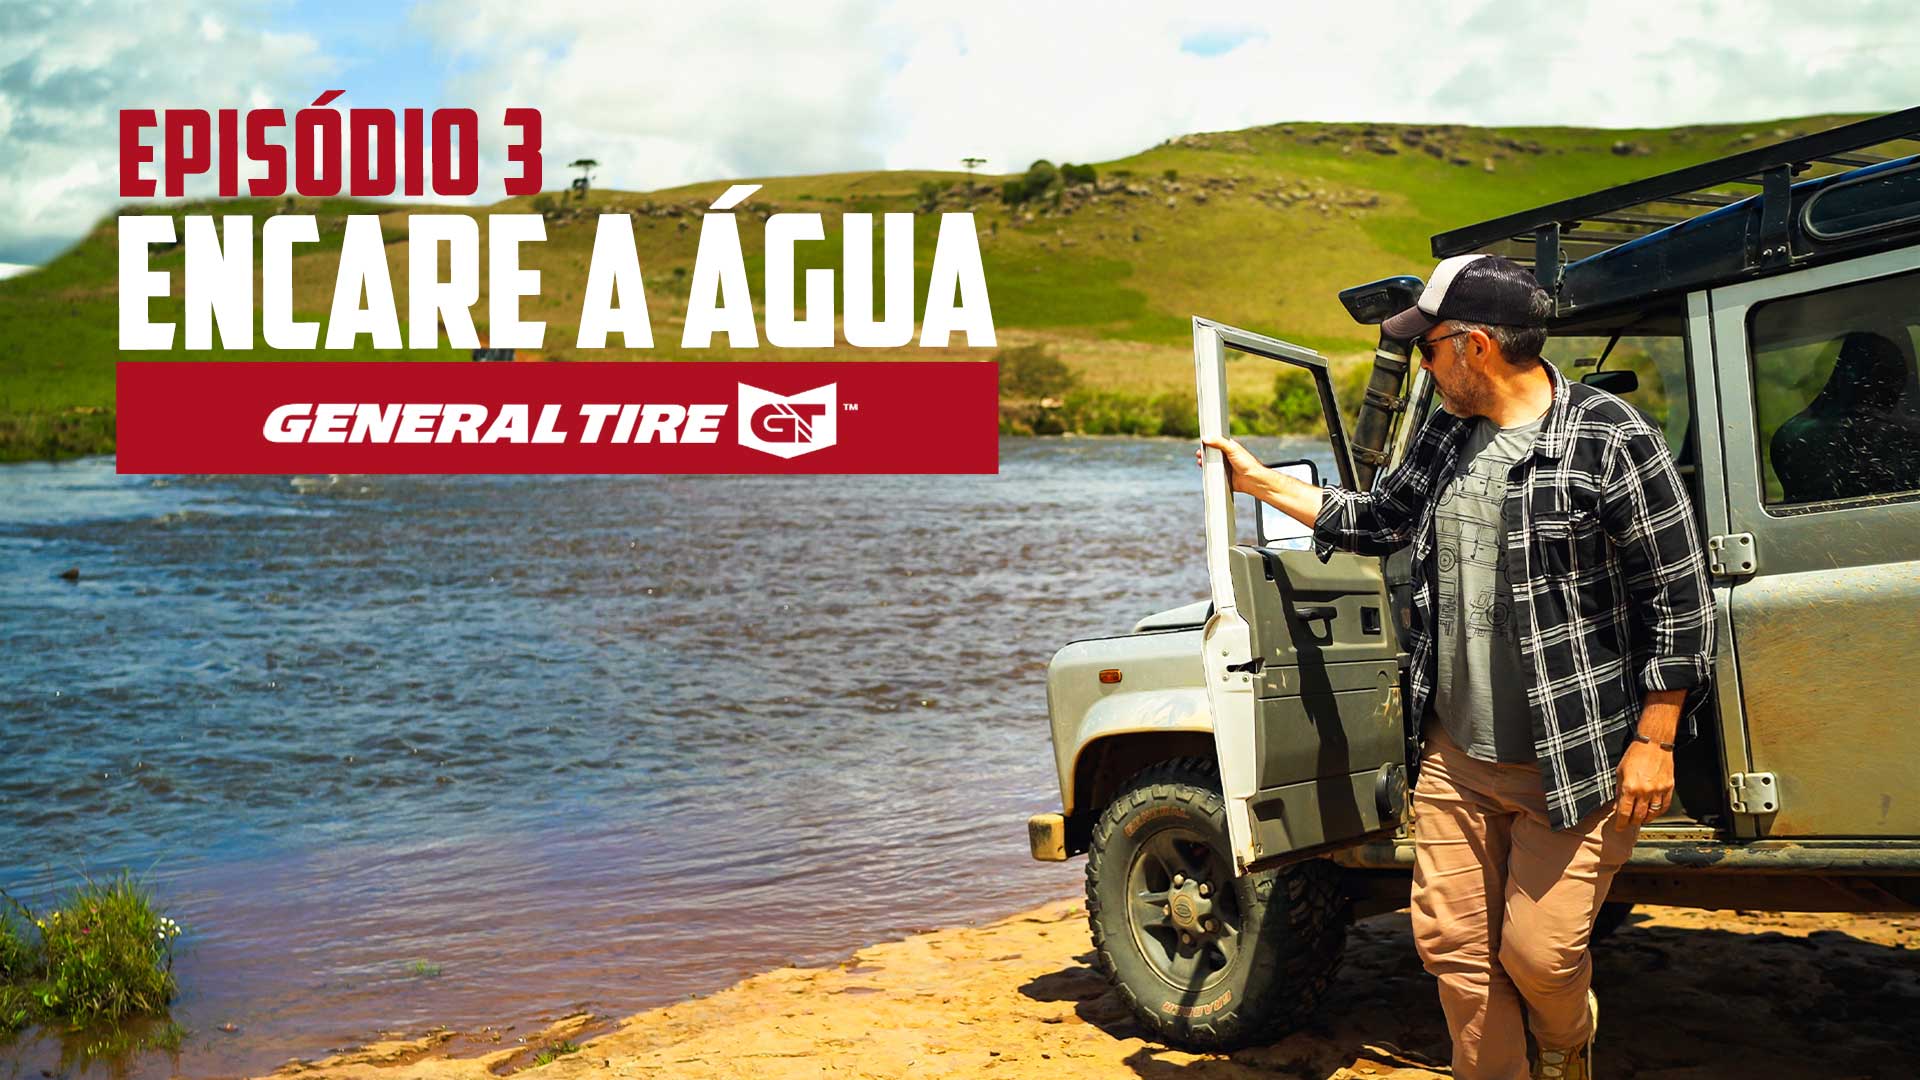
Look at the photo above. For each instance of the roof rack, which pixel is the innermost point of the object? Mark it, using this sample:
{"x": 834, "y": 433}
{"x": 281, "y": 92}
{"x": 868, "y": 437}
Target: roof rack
{"x": 1545, "y": 236}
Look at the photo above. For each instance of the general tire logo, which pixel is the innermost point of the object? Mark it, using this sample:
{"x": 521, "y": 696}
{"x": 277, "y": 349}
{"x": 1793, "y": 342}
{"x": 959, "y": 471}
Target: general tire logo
{"x": 1208, "y": 1009}
{"x": 1153, "y": 815}
{"x": 788, "y": 426}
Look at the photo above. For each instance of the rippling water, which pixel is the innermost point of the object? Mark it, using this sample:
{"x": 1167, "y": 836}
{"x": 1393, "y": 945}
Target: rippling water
{"x": 592, "y": 742}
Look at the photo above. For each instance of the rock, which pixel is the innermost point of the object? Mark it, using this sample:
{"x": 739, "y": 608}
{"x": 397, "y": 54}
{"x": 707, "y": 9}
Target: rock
{"x": 1488, "y": 165}
{"x": 1381, "y": 146}
{"x": 71, "y": 573}
{"x": 1172, "y": 203}
{"x": 1460, "y": 160}
{"x": 1199, "y": 196}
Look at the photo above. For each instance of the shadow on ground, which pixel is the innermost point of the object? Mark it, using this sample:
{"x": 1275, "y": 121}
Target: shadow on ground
{"x": 1685, "y": 995}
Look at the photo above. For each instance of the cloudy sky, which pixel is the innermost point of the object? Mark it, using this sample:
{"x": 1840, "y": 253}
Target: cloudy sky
{"x": 670, "y": 92}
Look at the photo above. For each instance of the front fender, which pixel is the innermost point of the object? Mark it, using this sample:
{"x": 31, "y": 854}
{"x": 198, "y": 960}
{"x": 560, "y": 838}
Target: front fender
{"x": 1161, "y": 689}
{"x": 1150, "y": 711}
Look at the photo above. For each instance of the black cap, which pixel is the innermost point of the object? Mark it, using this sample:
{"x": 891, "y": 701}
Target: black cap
{"x": 1474, "y": 288}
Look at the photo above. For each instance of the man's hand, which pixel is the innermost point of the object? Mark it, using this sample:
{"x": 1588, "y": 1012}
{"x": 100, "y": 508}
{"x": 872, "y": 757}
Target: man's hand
{"x": 1646, "y": 785}
{"x": 1646, "y": 771}
{"x": 1243, "y": 469}
{"x": 1295, "y": 498}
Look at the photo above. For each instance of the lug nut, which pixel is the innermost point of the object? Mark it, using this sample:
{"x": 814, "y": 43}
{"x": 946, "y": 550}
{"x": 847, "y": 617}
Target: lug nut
{"x": 1209, "y": 926}
{"x": 1186, "y": 939}
{"x": 1179, "y": 880}
{"x": 1205, "y": 890}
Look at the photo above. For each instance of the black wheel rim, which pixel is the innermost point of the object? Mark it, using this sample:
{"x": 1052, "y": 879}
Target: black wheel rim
{"x": 1188, "y": 932}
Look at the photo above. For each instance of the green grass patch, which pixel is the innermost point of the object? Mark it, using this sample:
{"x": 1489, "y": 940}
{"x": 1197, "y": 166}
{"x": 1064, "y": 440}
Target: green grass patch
{"x": 50, "y": 436}
{"x": 423, "y": 969}
{"x": 102, "y": 955}
{"x": 554, "y": 1053}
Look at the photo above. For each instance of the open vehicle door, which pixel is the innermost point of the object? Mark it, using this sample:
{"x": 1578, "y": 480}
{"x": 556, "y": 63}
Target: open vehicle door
{"x": 1302, "y": 668}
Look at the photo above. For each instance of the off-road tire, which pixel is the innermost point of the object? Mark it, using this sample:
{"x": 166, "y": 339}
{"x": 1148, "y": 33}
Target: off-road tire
{"x": 1293, "y": 921}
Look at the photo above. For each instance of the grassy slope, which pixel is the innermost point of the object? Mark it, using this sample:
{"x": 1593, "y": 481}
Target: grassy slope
{"x": 1292, "y": 214}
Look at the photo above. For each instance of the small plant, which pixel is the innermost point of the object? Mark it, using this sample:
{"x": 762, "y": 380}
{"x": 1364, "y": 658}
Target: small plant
{"x": 1077, "y": 174}
{"x": 105, "y": 954}
{"x": 16, "y": 1008}
{"x": 16, "y": 956}
{"x": 1170, "y": 174}
{"x": 555, "y": 1052}
{"x": 16, "y": 966}
{"x": 543, "y": 204}
{"x": 423, "y": 969}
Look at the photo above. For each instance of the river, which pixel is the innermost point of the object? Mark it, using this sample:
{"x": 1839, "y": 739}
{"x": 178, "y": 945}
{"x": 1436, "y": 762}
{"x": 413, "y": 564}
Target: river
{"x": 412, "y": 751}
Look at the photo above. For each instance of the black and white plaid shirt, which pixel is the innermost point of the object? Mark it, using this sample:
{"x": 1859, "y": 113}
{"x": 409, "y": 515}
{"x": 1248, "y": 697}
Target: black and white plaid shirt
{"x": 1608, "y": 576}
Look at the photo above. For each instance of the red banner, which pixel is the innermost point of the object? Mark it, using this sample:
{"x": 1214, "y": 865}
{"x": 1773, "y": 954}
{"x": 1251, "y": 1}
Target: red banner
{"x": 781, "y": 417}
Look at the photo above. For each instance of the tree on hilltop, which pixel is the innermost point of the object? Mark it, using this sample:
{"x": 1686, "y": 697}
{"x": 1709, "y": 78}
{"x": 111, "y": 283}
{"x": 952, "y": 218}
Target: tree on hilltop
{"x": 586, "y": 167}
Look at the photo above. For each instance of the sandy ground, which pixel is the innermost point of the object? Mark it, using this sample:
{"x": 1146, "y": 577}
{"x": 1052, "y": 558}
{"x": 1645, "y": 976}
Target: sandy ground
{"x": 1686, "y": 995}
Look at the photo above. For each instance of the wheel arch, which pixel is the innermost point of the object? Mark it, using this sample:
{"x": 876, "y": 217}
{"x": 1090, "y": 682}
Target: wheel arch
{"x": 1105, "y": 763}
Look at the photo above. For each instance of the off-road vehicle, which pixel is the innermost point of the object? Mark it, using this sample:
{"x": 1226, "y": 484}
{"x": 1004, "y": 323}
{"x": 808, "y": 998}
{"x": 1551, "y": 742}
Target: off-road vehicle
{"x": 1236, "y": 770}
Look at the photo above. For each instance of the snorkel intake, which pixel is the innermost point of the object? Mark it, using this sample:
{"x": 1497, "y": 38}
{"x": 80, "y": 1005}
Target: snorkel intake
{"x": 1372, "y": 304}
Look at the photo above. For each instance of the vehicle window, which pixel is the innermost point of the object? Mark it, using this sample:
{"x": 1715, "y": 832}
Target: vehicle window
{"x": 1866, "y": 203}
{"x": 1835, "y": 391}
{"x": 1659, "y": 365}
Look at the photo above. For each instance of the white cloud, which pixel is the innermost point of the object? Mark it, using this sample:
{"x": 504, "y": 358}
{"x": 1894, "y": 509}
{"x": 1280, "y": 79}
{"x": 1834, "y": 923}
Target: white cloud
{"x": 674, "y": 93}
{"x": 67, "y": 68}
{"x": 668, "y": 93}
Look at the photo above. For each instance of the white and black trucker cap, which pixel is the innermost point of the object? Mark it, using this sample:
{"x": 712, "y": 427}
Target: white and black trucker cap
{"x": 1473, "y": 288}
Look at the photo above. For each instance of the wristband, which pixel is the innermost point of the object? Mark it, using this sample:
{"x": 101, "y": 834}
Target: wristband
{"x": 1667, "y": 746}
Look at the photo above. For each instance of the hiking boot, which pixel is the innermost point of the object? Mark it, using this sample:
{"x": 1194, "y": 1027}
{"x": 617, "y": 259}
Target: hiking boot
{"x": 1575, "y": 1063}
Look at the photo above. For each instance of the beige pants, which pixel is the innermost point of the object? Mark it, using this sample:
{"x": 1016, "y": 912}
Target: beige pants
{"x": 1503, "y": 906}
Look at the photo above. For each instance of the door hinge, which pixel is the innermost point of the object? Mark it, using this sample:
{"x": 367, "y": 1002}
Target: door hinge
{"x": 1730, "y": 555}
{"x": 1753, "y": 793}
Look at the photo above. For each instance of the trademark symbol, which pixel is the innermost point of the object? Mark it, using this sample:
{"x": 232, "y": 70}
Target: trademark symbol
{"x": 849, "y": 406}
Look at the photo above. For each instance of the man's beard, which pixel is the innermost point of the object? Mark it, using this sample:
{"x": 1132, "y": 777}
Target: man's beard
{"x": 1469, "y": 398}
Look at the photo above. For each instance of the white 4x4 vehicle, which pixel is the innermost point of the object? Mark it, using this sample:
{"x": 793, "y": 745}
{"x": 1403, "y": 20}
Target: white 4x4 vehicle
{"x": 1236, "y": 770}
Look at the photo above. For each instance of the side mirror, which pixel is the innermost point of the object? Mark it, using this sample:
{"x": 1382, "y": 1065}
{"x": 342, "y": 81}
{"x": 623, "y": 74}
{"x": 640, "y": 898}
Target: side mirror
{"x": 1276, "y": 528}
{"x": 1619, "y": 383}
{"x": 1377, "y": 301}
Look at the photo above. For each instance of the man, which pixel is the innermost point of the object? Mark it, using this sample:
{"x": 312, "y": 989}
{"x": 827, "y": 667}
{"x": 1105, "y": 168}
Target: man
{"x": 1561, "y": 620}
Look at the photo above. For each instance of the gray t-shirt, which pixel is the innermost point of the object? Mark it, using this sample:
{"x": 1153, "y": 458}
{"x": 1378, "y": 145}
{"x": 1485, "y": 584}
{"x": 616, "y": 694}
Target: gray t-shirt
{"x": 1481, "y": 693}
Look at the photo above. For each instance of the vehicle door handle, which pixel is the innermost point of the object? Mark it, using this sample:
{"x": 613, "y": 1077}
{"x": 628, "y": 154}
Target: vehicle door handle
{"x": 1314, "y": 612}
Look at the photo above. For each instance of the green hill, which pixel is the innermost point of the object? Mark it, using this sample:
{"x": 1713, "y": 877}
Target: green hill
{"x": 1259, "y": 227}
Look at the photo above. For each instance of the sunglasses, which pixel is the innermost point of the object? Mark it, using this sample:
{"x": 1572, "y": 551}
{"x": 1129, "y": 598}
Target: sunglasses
{"x": 1426, "y": 344}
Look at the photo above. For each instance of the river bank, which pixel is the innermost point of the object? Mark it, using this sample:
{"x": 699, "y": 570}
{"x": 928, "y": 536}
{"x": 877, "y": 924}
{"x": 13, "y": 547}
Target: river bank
{"x": 1688, "y": 995}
